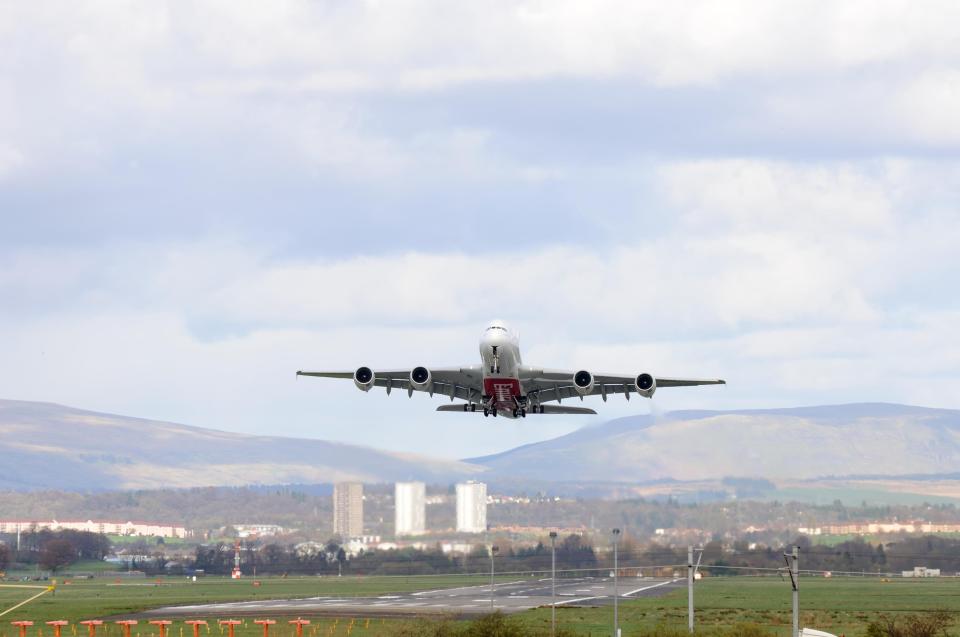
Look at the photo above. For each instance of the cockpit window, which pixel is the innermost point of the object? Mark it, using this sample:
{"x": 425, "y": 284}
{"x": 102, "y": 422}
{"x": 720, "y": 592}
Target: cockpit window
{"x": 496, "y": 327}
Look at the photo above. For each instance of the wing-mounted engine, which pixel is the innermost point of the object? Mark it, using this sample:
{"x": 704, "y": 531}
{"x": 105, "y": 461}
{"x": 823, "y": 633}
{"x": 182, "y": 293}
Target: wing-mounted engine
{"x": 421, "y": 379}
{"x": 646, "y": 385}
{"x": 583, "y": 382}
{"x": 364, "y": 378}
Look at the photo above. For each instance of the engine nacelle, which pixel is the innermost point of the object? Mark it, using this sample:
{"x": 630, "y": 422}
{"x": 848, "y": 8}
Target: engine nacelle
{"x": 583, "y": 382}
{"x": 364, "y": 378}
{"x": 421, "y": 379}
{"x": 646, "y": 385}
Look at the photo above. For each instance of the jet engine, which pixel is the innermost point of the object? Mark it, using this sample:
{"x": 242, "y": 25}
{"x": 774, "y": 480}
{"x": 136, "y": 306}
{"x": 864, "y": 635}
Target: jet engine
{"x": 583, "y": 382}
{"x": 364, "y": 378}
{"x": 421, "y": 379}
{"x": 646, "y": 385}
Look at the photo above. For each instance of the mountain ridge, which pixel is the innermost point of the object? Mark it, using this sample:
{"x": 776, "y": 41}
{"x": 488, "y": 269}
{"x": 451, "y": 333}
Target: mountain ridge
{"x": 47, "y": 445}
{"x": 831, "y": 440}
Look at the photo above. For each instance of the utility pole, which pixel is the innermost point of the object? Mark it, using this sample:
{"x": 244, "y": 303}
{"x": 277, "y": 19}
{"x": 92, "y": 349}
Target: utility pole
{"x": 616, "y": 592}
{"x": 793, "y": 566}
{"x": 691, "y": 576}
{"x": 493, "y": 551}
{"x": 553, "y": 583}
{"x": 690, "y": 588}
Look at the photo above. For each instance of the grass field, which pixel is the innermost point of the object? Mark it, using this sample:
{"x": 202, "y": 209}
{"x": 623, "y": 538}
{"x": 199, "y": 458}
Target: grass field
{"x": 75, "y": 600}
{"x": 839, "y": 605}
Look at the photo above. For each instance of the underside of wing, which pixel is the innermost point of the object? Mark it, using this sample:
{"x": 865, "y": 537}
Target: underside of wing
{"x": 688, "y": 382}
{"x": 559, "y": 385}
{"x": 464, "y": 382}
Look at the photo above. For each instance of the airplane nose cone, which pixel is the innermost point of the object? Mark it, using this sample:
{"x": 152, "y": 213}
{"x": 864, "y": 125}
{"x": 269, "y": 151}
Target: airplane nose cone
{"x": 495, "y": 337}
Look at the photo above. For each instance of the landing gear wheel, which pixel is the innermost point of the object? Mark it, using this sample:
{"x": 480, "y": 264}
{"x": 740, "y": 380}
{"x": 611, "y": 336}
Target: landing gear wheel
{"x": 473, "y": 407}
{"x": 494, "y": 412}
{"x": 516, "y": 412}
{"x": 486, "y": 412}
{"x": 523, "y": 413}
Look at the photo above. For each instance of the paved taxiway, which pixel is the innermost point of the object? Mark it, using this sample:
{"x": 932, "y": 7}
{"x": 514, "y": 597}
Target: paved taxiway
{"x": 509, "y": 597}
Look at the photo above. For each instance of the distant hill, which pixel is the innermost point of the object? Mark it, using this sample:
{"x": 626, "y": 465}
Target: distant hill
{"x": 875, "y": 439}
{"x": 51, "y": 446}
{"x": 45, "y": 445}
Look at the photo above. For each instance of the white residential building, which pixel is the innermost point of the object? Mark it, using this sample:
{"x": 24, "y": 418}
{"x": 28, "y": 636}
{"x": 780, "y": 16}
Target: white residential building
{"x": 258, "y": 530}
{"x": 111, "y": 527}
{"x": 410, "y": 515}
{"x": 471, "y": 507}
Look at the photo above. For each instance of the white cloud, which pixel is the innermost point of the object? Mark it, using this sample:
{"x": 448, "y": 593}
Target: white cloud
{"x": 10, "y": 159}
{"x": 86, "y": 81}
{"x": 928, "y": 106}
{"x": 427, "y": 44}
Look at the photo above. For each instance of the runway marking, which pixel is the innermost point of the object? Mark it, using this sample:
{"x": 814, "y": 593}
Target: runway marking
{"x": 646, "y": 588}
{"x": 467, "y": 588}
{"x": 579, "y": 599}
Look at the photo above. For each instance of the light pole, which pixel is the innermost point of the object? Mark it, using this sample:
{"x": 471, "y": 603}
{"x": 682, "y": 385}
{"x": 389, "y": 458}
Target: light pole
{"x": 616, "y": 592}
{"x": 793, "y": 567}
{"x": 493, "y": 551}
{"x": 553, "y": 583}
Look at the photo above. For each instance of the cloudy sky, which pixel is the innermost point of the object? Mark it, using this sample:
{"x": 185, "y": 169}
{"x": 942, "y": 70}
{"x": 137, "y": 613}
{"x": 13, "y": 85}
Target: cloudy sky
{"x": 198, "y": 199}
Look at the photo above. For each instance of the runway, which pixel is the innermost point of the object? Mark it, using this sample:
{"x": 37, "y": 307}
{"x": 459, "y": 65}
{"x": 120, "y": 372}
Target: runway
{"x": 508, "y": 597}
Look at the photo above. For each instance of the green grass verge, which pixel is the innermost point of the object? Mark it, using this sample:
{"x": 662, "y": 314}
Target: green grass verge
{"x": 75, "y": 600}
{"x": 838, "y": 605}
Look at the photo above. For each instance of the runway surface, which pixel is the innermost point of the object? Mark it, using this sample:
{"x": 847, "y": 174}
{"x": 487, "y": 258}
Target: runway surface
{"x": 508, "y": 597}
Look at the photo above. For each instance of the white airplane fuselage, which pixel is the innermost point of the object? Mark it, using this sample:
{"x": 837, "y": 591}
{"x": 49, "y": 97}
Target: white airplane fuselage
{"x": 500, "y": 352}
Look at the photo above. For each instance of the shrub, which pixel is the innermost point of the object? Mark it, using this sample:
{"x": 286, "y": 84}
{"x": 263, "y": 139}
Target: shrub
{"x": 933, "y": 624}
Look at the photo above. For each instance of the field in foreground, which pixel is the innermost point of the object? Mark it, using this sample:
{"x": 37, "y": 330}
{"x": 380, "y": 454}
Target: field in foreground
{"x": 76, "y": 600}
{"x": 839, "y": 605}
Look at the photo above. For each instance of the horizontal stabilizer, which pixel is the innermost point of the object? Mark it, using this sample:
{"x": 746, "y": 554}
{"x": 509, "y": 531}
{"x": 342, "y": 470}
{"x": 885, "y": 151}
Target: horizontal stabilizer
{"x": 547, "y": 409}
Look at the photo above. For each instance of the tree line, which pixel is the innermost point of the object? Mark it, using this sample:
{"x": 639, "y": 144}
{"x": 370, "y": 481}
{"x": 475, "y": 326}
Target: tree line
{"x": 572, "y": 552}
{"x": 54, "y": 550}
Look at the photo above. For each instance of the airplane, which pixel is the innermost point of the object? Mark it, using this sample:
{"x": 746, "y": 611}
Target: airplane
{"x": 503, "y": 385}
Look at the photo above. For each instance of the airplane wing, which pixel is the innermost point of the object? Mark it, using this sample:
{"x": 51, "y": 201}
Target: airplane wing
{"x": 548, "y": 385}
{"x": 464, "y": 382}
